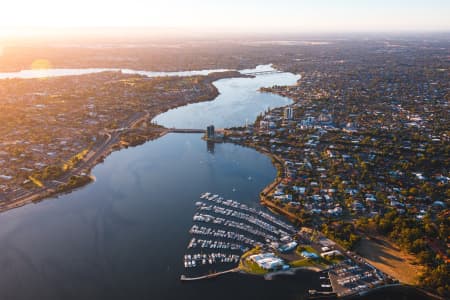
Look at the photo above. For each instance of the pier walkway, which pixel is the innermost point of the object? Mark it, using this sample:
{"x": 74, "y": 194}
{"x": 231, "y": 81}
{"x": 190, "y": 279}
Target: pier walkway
{"x": 212, "y": 275}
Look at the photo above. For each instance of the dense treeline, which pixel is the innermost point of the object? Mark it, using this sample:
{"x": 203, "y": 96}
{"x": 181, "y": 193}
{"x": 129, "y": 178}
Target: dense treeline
{"x": 422, "y": 239}
{"x": 343, "y": 233}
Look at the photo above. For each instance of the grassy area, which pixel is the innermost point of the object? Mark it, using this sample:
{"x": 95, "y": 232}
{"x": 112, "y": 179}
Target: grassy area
{"x": 37, "y": 182}
{"x": 307, "y": 262}
{"x": 389, "y": 259}
{"x": 302, "y": 248}
{"x": 251, "y": 267}
{"x": 74, "y": 182}
{"x": 302, "y": 263}
{"x": 74, "y": 160}
{"x": 250, "y": 252}
{"x": 334, "y": 260}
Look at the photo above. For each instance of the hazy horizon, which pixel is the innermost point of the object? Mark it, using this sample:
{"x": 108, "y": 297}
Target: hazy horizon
{"x": 155, "y": 36}
{"x": 25, "y": 18}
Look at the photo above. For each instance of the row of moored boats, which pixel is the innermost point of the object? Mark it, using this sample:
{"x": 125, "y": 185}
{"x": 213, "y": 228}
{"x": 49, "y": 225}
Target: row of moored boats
{"x": 195, "y": 260}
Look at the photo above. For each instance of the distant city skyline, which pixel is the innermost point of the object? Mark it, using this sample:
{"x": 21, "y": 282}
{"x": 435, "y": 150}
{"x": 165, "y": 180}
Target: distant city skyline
{"x": 232, "y": 15}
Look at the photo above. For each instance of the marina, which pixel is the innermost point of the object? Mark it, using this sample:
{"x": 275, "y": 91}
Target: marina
{"x": 227, "y": 235}
{"x": 232, "y": 228}
{"x": 212, "y": 258}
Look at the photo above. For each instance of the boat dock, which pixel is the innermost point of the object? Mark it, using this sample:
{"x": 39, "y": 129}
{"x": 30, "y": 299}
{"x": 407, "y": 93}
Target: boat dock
{"x": 208, "y": 276}
{"x": 224, "y": 229}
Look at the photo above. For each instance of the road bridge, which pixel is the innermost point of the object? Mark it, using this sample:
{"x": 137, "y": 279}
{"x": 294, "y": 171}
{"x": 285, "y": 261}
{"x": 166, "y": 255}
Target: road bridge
{"x": 180, "y": 130}
{"x": 262, "y": 72}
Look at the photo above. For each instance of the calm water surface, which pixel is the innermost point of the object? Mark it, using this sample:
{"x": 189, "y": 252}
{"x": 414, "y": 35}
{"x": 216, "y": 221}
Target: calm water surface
{"x": 239, "y": 101}
{"x": 123, "y": 237}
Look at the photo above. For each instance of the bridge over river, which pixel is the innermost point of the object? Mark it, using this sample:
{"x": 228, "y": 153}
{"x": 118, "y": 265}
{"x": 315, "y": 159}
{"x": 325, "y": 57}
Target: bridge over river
{"x": 192, "y": 130}
{"x": 181, "y": 130}
{"x": 262, "y": 72}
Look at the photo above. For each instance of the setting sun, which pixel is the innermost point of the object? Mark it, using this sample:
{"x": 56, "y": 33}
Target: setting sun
{"x": 41, "y": 64}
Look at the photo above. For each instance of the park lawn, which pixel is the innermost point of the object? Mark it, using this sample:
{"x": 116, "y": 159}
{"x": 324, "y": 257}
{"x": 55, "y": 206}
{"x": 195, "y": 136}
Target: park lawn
{"x": 301, "y": 248}
{"x": 250, "y": 252}
{"x": 302, "y": 263}
{"x": 251, "y": 267}
{"x": 306, "y": 262}
{"x": 334, "y": 260}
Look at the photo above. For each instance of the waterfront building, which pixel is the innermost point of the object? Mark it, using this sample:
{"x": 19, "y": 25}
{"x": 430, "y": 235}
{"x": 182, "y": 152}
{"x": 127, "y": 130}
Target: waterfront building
{"x": 288, "y": 113}
{"x": 267, "y": 261}
{"x": 288, "y": 247}
{"x": 210, "y": 132}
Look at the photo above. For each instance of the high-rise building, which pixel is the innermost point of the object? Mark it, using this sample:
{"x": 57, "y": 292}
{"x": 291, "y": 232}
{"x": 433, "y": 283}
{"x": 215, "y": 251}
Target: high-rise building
{"x": 210, "y": 131}
{"x": 288, "y": 113}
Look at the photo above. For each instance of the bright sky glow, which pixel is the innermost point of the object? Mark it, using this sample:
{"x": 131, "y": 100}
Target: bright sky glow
{"x": 232, "y": 15}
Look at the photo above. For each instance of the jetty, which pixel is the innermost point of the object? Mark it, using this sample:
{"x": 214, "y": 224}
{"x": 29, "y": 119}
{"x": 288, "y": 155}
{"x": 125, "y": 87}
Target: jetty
{"x": 208, "y": 276}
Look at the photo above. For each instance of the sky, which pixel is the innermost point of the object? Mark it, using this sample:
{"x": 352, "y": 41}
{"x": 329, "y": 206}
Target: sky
{"x": 231, "y": 15}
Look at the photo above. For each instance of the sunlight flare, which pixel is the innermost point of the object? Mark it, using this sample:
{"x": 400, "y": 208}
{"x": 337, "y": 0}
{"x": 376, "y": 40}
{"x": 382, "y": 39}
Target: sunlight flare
{"x": 41, "y": 64}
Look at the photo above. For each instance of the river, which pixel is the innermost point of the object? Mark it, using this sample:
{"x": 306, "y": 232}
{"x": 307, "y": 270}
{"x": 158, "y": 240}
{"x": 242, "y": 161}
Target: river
{"x": 238, "y": 102}
{"x": 124, "y": 236}
{"x": 43, "y": 73}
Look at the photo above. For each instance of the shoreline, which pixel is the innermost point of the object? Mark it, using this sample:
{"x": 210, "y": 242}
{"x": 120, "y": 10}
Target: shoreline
{"x": 277, "y": 162}
{"x": 108, "y": 147}
{"x": 387, "y": 286}
{"x": 111, "y": 144}
{"x": 291, "y": 271}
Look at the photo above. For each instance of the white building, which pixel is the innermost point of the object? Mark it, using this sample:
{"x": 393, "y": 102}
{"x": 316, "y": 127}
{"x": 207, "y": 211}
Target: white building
{"x": 288, "y": 113}
{"x": 267, "y": 261}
